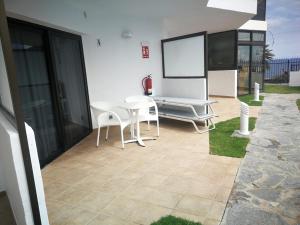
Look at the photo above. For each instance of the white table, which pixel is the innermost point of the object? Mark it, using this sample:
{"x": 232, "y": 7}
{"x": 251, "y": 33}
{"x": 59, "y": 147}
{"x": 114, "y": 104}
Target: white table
{"x": 134, "y": 108}
{"x": 186, "y": 109}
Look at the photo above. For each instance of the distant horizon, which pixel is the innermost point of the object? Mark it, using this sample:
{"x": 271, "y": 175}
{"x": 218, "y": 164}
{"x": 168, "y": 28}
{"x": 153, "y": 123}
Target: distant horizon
{"x": 289, "y": 58}
{"x": 283, "y": 35}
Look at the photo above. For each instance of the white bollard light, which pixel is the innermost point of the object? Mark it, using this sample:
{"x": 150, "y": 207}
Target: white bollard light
{"x": 256, "y": 92}
{"x": 244, "y": 119}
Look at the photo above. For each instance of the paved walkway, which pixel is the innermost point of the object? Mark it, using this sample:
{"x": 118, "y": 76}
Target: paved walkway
{"x": 267, "y": 187}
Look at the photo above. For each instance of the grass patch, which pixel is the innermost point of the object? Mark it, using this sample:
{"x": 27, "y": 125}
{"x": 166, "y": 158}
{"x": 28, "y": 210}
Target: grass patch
{"x": 298, "y": 103}
{"x": 172, "y": 220}
{"x": 281, "y": 89}
{"x": 220, "y": 140}
{"x": 248, "y": 99}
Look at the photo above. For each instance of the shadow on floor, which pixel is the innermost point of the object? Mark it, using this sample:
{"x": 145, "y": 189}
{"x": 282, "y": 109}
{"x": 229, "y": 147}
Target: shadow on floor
{"x": 6, "y": 214}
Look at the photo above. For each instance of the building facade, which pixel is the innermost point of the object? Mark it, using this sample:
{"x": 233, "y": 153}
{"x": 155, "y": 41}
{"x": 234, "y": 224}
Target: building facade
{"x": 240, "y": 53}
{"x": 59, "y": 55}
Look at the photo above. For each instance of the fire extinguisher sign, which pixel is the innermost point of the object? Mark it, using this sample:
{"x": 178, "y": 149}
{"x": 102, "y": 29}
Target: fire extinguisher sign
{"x": 145, "y": 51}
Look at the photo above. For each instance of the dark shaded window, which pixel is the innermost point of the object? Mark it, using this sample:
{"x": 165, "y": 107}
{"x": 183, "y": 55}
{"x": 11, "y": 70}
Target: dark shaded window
{"x": 222, "y": 51}
{"x": 244, "y": 36}
{"x": 261, "y": 10}
{"x": 258, "y": 36}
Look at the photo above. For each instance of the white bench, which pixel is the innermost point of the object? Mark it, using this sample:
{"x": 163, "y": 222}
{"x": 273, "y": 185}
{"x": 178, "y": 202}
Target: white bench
{"x": 186, "y": 109}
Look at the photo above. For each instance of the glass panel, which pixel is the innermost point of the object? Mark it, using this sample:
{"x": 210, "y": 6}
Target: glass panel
{"x": 258, "y": 36}
{"x": 221, "y": 50}
{"x": 243, "y": 72}
{"x": 71, "y": 85}
{"x": 244, "y": 36}
{"x": 35, "y": 91}
{"x": 257, "y": 69}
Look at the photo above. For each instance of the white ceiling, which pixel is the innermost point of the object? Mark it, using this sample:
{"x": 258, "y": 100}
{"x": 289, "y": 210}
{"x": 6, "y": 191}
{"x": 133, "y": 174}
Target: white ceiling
{"x": 178, "y": 16}
{"x": 140, "y": 8}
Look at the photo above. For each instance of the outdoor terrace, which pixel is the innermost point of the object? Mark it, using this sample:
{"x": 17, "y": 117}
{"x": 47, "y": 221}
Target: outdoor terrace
{"x": 174, "y": 174}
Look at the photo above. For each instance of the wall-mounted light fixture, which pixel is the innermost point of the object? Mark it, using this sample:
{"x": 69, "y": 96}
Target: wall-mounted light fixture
{"x": 126, "y": 34}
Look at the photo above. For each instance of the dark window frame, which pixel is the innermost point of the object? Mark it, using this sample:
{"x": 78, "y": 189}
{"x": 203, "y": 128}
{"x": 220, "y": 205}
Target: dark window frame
{"x": 251, "y": 44}
{"x": 204, "y": 33}
{"x": 231, "y": 67}
{"x": 244, "y": 31}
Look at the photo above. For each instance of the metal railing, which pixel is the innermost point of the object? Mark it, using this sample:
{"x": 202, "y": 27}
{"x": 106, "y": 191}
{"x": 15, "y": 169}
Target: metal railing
{"x": 278, "y": 70}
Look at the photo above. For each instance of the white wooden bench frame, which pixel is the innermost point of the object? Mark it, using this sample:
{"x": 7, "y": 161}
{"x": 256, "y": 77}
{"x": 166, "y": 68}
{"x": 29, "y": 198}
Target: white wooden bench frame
{"x": 188, "y": 104}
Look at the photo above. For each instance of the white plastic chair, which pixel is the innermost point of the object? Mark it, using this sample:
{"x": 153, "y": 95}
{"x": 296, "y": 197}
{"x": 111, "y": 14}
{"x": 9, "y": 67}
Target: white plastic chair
{"x": 146, "y": 114}
{"x": 106, "y": 115}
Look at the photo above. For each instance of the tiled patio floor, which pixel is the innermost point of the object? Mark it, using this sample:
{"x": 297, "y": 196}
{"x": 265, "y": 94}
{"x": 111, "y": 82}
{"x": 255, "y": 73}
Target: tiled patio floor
{"x": 172, "y": 175}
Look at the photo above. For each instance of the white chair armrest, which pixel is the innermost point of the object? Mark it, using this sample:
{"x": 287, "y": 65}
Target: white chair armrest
{"x": 116, "y": 115}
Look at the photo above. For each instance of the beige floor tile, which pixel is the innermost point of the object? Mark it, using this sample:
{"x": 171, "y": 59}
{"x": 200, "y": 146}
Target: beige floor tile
{"x": 211, "y": 222}
{"x": 116, "y": 185}
{"x": 202, "y": 189}
{"x": 223, "y": 194}
{"x": 188, "y": 216}
{"x": 93, "y": 182}
{"x": 233, "y": 169}
{"x": 96, "y": 201}
{"x": 148, "y": 213}
{"x": 151, "y": 180}
{"x": 71, "y": 215}
{"x": 109, "y": 220}
{"x": 176, "y": 184}
{"x": 52, "y": 188}
{"x": 228, "y": 181}
{"x": 72, "y": 195}
{"x": 195, "y": 205}
{"x": 72, "y": 176}
{"x": 54, "y": 207}
{"x": 153, "y": 195}
{"x": 217, "y": 210}
{"x": 121, "y": 207}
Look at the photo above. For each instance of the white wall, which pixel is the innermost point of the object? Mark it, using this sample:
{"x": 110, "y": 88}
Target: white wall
{"x": 255, "y": 25}
{"x": 186, "y": 88}
{"x": 294, "y": 79}
{"x": 116, "y": 69}
{"x": 14, "y": 173}
{"x": 222, "y": 83}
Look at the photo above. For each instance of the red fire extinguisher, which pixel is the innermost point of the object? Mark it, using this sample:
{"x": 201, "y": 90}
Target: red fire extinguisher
{"x": 147, "y": 85}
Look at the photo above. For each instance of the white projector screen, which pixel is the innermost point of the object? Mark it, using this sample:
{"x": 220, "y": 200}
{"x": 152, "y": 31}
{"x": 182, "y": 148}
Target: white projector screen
{"x": 184, "y": 57}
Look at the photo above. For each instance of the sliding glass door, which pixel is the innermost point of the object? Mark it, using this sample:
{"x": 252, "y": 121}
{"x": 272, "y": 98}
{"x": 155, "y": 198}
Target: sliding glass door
{"x": 52, "y": 82}
{"x": 257, "y": 66}
{"x": 71, "y": 86}
{"x": 35, "y": 89}
{"x": 243, "y": 69}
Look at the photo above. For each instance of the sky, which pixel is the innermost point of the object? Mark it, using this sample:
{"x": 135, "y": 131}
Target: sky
{"x": 283, "y": 35}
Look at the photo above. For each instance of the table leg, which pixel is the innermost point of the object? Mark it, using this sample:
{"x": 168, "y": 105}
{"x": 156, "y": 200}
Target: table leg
{"x": 138, "y": 134}
{"x": 132, "y": 129}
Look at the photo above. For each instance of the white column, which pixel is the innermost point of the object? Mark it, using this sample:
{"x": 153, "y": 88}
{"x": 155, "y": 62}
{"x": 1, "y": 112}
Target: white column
{"x": 244, "y": 119}
{"x": 256, "y": 92}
